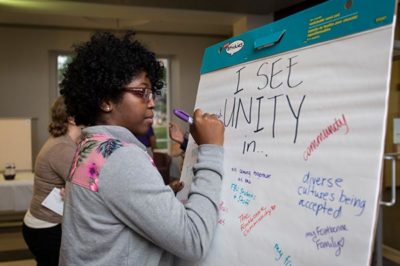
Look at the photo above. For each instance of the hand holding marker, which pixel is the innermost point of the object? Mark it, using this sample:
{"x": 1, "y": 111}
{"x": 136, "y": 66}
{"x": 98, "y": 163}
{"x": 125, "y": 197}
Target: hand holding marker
{"x": 208, "y": 128}
{"x": 183, "y": 115}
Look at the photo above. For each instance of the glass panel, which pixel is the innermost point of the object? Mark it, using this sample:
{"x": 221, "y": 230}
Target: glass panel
{"x": 161, "y": 120}
{"x": 62, "y": 61}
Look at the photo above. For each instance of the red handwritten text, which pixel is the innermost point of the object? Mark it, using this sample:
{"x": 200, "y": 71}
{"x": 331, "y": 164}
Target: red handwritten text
{"x": 222, "y": 208}
{"x": 248, "y": 222}
{"x": 324, "y": 134}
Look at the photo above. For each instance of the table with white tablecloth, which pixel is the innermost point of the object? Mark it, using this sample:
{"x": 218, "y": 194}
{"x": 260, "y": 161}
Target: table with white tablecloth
{"x": 16, "y": 194}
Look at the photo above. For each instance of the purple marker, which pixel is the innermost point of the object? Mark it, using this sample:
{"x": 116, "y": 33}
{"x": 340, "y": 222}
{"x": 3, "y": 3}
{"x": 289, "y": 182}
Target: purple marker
{"x": 183, "y": 115}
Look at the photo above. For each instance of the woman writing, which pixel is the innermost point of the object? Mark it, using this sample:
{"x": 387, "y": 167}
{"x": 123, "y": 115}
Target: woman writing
{"x": 118, "y": 211}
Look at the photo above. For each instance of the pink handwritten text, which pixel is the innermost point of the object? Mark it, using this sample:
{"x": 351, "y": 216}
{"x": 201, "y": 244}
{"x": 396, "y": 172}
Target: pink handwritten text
{"x": 248, "y": 221}
{"x": 324, "y": 134}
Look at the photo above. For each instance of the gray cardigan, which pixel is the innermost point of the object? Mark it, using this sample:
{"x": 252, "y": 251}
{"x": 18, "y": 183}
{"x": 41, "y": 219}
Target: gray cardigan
{"x": 134, "y": 219}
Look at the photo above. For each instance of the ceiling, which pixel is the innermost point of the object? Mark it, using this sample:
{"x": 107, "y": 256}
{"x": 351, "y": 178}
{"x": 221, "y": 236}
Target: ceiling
{"x": 255, "y": 7}
{"x": 204, "y": 17}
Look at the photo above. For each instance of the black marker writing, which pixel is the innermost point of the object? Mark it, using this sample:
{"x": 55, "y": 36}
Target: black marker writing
{"x": 238, "y": 81}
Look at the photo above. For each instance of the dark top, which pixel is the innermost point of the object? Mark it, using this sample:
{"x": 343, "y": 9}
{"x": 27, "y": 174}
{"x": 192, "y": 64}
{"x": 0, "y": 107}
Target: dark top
{"x": 145, "y": 139}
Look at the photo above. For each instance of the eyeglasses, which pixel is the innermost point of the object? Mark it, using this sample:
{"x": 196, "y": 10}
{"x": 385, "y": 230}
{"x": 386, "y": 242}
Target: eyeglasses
{"x": 145, "y": 93}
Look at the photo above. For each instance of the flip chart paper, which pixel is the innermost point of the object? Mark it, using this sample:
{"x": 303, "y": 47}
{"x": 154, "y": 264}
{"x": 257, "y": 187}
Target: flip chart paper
{"x": 304, "y": 138}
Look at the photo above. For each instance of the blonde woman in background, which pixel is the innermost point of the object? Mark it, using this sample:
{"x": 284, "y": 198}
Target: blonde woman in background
{"x": 42, "y": 227}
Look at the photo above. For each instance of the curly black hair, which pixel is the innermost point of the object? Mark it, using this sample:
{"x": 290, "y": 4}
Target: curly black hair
{"x": 101, "y": 68}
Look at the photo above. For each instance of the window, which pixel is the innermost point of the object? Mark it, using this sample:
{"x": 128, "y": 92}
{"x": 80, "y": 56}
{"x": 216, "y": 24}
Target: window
{"x": 161, "y": 120}
{"x": 62, "y": 61}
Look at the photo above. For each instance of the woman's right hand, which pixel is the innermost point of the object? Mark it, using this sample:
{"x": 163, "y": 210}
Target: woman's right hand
{"x": 207, "y": 128}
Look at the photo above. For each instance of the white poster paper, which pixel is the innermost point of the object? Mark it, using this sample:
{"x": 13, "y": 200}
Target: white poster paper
{"x": 304, "y": 141}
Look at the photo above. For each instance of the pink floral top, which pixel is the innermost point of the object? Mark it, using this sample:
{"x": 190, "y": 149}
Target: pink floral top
{"x": 90, "y": 157}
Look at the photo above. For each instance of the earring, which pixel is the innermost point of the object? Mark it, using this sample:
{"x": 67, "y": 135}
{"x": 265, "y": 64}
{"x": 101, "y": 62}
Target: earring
{"x": 108, "y": 108}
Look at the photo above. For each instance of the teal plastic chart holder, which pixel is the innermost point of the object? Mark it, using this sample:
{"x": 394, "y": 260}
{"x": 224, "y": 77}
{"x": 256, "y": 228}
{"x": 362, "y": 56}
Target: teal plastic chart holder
{"x": 327, "y": 21}
{"x": 304, "y": 103}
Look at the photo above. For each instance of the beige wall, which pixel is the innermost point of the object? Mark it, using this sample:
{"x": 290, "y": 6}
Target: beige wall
{"x": 16, "y": 143}
{"x": 26, "y": 86}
